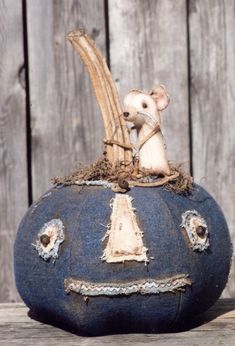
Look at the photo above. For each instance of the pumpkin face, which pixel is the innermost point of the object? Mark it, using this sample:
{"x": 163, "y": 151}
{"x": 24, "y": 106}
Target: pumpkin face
{"x": 79, "y": 274}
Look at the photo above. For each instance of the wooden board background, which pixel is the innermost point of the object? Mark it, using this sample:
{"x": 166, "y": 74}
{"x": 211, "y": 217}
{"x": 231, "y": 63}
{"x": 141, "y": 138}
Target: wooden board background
{"x": 49, "y": 119}
{"x": 13, "y": 151}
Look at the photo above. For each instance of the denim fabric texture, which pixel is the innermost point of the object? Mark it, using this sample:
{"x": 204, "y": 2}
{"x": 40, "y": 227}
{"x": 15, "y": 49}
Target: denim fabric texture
{"x": 85, "y": 211}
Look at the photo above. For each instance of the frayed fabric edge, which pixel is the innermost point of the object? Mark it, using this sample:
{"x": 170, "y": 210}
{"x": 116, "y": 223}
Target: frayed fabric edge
{"x": 143, "y": 287}
{"x": 197, "y": 243}
{"x": 125, "y": 238}
{"x": 59, "y": 238}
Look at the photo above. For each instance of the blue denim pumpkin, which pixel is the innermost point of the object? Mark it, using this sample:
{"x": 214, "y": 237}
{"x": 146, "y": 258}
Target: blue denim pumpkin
{"x": 84, "y": 212}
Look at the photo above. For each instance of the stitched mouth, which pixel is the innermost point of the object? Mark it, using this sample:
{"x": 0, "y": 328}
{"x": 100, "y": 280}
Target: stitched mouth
{"x": 143, "y": 287}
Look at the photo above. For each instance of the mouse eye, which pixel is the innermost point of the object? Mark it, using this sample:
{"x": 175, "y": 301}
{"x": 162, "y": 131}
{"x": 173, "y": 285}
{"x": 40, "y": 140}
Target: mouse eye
{"x": 144, "y": 105}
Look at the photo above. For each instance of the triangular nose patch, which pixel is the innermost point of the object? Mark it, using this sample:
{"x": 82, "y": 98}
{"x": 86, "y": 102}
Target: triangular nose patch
{"x": 125, "y": 239}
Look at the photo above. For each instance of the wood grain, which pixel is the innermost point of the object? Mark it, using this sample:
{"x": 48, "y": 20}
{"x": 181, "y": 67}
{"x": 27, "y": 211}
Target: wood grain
{"x": 148, "y": 44}
{"x": 13, "y": 168}
{"x": 65, "y": 118}
{"x": 216, "y": 327}
{"x": 212, "y": 55}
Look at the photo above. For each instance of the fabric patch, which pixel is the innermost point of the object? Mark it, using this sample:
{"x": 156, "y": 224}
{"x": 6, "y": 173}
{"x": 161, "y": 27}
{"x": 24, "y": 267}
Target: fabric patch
{"x": 49, "y": 239}
{"x": 197, "y": 230}
{"x": 143, "y": 287}
{"x": 124, "y": 235}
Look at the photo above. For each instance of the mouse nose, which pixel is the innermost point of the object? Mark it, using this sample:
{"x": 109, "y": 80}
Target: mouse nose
{"x": 126, "y": 114}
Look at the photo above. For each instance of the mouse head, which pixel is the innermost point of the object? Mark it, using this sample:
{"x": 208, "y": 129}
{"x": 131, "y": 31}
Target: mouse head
{"x": 141, "y": 107}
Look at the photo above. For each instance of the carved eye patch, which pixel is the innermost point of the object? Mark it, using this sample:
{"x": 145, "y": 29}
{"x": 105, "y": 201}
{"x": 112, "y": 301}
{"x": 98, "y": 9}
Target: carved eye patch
{"x": 49, "y": 238}
{"x": 196, "y": 228}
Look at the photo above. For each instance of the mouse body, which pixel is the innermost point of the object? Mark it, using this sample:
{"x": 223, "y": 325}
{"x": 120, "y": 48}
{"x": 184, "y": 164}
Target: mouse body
{"x": 143, "y": 110}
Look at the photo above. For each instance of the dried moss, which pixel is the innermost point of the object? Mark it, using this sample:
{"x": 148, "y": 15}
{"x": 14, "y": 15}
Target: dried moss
{"x": 102, "y": 169}
{"x": 99, "y": 170}
{"x": 183, "y": 184}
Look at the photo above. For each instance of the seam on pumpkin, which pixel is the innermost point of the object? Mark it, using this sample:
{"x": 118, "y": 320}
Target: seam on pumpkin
{"x": 179, "y": 254}
{"x": 178, "y": 311}
{"x": 143, "y": 287}
{"x": 75, "y": 229}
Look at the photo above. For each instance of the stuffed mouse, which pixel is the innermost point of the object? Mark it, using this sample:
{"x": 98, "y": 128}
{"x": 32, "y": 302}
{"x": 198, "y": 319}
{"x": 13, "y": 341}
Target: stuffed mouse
{"x": 143, "y": 110}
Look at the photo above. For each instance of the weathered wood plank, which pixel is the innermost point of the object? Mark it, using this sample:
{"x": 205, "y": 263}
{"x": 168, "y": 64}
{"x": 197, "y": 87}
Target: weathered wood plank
{"x": 66, "y": 122}
{"x": 148, "y": 43}
{"x": 212, "y": 54}
{"x": 216, "y": 328}
{"x": 13, "y": 168}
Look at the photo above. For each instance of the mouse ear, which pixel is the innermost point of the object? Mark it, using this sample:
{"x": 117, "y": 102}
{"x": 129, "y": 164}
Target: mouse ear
{"x": 160, "y": 96}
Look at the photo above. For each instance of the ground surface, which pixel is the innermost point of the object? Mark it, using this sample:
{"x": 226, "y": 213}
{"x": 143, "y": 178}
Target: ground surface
{"x": 217, "y": 327}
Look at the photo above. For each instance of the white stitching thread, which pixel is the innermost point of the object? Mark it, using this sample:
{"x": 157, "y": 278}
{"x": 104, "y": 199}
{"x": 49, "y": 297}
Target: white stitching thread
{"x": 103, "y": 183}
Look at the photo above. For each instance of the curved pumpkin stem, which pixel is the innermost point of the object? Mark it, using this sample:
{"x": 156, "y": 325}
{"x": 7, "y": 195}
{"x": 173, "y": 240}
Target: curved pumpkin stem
{"x": 106, "y": 95}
